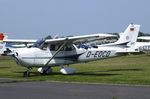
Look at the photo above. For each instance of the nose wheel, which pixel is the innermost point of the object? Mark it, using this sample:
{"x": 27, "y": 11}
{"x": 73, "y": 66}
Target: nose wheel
{"x": 27, "y": 72}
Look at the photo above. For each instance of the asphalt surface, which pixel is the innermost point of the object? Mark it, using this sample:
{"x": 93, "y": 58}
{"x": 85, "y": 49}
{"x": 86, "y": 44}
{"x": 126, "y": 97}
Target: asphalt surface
{"x": 55, "y": 90}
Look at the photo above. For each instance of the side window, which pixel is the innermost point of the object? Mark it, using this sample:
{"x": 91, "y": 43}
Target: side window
{"x": 52, "y": 47}
{"x": 69, "y": 48}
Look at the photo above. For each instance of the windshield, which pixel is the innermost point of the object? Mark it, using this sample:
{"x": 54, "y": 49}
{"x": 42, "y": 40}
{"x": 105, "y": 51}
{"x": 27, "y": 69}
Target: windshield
{"x": 39, "y": 43}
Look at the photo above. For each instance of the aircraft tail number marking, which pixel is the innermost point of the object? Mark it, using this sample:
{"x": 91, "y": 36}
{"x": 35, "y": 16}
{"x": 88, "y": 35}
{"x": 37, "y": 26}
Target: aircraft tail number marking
{"x": 98, "y": 54}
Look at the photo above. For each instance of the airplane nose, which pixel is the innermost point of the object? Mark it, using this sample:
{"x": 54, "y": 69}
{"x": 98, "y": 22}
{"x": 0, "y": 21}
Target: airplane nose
{"x": 16, "y": 53}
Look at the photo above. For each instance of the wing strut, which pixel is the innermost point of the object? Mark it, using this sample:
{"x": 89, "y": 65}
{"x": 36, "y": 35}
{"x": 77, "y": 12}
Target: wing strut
{"x": 56, "y": 52}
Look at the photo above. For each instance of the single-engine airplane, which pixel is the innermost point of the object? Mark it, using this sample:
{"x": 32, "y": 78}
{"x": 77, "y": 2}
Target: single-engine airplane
{"x": 64, "y": 51}
{"x": 64, "y": 47}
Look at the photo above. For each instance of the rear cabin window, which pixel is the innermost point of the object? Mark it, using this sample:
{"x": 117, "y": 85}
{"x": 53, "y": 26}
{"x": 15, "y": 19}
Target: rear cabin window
{"x": 52, "y": 47}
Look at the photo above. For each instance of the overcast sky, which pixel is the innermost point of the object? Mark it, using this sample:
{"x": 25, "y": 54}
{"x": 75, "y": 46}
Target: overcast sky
{"x": 33, "y": 19}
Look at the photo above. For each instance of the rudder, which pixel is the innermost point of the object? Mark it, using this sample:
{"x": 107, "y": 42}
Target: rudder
{"x": 129, "y": 36}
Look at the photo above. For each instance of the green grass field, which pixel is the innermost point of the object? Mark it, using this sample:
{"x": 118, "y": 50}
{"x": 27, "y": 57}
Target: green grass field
{"x": 132, "y": 69}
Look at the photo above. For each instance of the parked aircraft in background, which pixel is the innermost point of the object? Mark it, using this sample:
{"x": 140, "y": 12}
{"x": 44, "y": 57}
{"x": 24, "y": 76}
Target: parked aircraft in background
{"x": 144, "y": 38}
{"x": 144, "y": 44}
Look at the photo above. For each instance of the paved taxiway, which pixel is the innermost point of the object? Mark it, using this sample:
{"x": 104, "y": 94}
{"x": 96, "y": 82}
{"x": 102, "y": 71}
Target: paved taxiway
{"x": 55, "y": 90}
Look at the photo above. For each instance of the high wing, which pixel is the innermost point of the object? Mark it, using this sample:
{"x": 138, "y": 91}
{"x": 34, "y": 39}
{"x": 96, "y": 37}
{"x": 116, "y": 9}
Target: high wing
{"x": 19, "y": 41}
{"x": 4, "y": 38}
{"x": 73, "y": 39}
{"x": 76, "y": 39}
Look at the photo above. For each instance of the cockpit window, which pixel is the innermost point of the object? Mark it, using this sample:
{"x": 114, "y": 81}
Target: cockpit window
{"x": 84, "y": 46}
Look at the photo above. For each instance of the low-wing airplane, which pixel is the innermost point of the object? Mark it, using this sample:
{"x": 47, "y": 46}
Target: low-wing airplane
{"x": 65, "y": 51}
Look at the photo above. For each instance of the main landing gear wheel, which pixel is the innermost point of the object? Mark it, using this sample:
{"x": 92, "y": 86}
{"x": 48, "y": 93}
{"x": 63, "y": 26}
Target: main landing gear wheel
{"x": 27, "y": 73}
{"x": 67, "y": 70}
{"x": 45, "y": 70}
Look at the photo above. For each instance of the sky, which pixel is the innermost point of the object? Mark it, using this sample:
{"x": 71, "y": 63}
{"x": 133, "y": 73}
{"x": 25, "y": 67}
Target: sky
{"x": 34, "y": 19}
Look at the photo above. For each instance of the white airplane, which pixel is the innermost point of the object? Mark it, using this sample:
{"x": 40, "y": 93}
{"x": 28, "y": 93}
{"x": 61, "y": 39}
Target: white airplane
{"x": 144, "y": 38}
{"x": 63, "y": 51}
{"x": 143, "y": 46}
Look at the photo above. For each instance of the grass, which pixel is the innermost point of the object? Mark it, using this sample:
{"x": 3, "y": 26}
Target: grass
{"x": 132, "y": 69}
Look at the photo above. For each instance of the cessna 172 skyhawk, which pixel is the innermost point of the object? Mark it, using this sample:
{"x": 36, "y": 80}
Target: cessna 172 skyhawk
{"x": 65, "y": 51}
{"x": 49, "y": 48}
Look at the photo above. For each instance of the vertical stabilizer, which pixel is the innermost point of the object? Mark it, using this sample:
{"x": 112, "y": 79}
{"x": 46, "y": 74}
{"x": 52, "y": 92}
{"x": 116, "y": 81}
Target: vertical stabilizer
{"x": 129, "y": 36}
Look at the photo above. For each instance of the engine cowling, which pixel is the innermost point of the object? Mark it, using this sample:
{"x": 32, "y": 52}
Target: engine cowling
{"x": 67, "y": 71}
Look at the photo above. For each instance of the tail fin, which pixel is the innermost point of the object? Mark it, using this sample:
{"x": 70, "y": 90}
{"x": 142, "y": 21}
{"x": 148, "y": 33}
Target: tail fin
{"x": 1, "y": 37}
{"x": 127, "y": 39}
{"x": 129, "y": 36}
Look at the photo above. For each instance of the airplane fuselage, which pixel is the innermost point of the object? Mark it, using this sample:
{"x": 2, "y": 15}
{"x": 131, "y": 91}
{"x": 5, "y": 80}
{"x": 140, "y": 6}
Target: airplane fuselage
{"x": 35, "y": 57}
